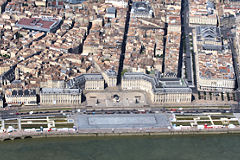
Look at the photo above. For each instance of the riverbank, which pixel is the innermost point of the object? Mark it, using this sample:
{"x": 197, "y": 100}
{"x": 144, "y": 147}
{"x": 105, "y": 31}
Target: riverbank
{"x": 106, "y": 132}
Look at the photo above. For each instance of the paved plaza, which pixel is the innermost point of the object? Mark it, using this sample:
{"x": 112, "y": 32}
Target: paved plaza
{"x": 108, "y": 99}
{"x": 127, "y": 121}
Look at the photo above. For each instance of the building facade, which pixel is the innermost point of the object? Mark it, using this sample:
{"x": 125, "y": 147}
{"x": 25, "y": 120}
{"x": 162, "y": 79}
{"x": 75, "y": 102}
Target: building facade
{"x": 21, "y": 97}
{"x": 8, "y": 76}
{"x": 118, "y": 3}
{"x": 55, "y": 96}
{"x": 110, "y": 77}
{"x": 202, "y": 20}
{"x": 93, "y": 81}
{"x": 161, "y": 91}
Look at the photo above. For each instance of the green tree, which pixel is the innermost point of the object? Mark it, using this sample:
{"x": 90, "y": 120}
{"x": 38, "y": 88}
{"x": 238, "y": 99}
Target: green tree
{"x": 123, "y": 71}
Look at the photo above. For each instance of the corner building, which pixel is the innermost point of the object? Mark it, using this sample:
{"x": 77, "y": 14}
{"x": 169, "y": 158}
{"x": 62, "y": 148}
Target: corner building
{"x": 161, "y": 90}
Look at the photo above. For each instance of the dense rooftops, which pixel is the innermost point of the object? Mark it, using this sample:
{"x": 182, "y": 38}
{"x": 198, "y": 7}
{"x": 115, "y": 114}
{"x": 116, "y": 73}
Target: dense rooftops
{"x": 216, "y": 65}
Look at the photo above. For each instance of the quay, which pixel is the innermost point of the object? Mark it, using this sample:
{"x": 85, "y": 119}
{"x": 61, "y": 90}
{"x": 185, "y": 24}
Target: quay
{"x": 16, "y": 135}
{"x": 117, "y": 125}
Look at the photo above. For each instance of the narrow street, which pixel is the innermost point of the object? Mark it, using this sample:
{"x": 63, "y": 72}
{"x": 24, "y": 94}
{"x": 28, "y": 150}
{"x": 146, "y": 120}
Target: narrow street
{"x": 122, "y": 56}
{"x": 235, "y": 66}
{"x": 185, "y": 35}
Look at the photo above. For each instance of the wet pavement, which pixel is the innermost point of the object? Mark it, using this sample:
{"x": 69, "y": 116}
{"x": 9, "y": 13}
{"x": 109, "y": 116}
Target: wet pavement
{"x": 129, "y": 121}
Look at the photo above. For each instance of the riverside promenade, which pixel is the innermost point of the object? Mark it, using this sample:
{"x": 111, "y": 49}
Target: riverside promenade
{"x": 115, "y": 132}
{"x": 117, "y": 125}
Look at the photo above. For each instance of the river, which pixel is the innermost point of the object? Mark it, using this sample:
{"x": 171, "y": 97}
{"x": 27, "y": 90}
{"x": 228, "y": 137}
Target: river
{"x": 197, "y": 147}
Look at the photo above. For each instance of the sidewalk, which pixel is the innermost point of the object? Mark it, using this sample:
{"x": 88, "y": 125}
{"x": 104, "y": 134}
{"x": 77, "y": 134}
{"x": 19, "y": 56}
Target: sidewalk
{"x": 118, "y": 132}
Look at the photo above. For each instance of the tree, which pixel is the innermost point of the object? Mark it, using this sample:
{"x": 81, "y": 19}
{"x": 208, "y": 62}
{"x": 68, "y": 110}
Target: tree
{"x": 123, "y": 71}
{"x": 159, "y": 56}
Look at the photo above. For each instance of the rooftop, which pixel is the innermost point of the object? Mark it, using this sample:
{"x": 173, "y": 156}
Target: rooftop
{"x": 21, "y": 92}
{"x": 40, "y": 24}
{"x": 141, "y": 9}
{"x": 60, "y": 91}
{"x": 161, "y": 85}
{"x": 208, "y": 33}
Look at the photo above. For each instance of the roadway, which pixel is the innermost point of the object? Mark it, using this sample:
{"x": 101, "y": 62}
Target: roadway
{"x": 13, "y": 114}
{"x": 123, "y": 49}
{"x": 235, "y": 60}
{"x": 185, "y": 31}
{"x": 235, "y": 65}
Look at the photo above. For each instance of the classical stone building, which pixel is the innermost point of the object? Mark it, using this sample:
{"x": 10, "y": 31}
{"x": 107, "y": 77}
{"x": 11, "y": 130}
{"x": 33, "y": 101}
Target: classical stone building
{"x": 161, "y": 91}
{"x": 39, "y": 24}
{"x": 202, "y": 20}
{"x": 7, "y": 76}
{"x": 110, "y": 77}
{"x": 141, "y": 9}
{"x": 93, "y": 81}
{"x": 56, "y": 96}
{"x": 213, "y": 60}
{"x": 118, "y": 3}
{"x": 204, "y": 15}
{"x": 110, "y": 12}
{"x": 21, "y": 97}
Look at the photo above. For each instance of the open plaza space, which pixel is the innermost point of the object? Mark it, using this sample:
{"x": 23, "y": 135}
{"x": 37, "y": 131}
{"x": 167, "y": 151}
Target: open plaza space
{"x": 116, "y": 99}
{"x": 118, "y": 121}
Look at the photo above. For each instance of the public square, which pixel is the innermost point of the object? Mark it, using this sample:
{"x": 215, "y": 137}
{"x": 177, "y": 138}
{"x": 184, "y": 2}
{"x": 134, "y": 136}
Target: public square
{"x": 122, "y": 121}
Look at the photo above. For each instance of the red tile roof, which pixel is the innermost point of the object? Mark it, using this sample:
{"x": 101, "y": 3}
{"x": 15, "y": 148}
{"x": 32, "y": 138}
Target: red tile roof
{"x": 36, "y": 22}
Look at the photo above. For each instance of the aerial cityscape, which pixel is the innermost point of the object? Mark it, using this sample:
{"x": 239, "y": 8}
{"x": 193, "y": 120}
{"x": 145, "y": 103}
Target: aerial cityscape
{"x": 119, "y": 68}
{"x": 172, "y": 52}
{"x": 114, "y": 67}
